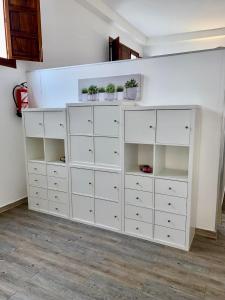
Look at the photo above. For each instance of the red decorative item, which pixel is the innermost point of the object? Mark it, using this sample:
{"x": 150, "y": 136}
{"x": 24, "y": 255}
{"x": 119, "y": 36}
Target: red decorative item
{"x": 20, "y": 96}
{"x": 146, "y": 168}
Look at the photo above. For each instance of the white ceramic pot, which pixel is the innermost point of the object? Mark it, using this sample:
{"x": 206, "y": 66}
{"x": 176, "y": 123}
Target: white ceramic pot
{"x": 93, "y": 97}
{"x": 101, "y": 97}
{"x": 120, "y": 96}
{"x": 110, "y": 96}
{"x": 84, "y": 97}
{"x": 131, "y": 93}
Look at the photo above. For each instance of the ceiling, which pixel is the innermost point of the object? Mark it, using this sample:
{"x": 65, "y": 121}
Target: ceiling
{"x": 166, "y": 17}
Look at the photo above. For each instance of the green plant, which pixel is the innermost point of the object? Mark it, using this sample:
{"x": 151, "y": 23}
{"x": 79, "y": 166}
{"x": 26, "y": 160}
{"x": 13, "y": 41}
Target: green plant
{"x": 110, "y": 88}
{"x": 92, "y": 90}
{"x": 119, "y": 88}
{"x": 84, "y": 91}
{"x": 131, "y": 84}
{"x": 101, "y": 90}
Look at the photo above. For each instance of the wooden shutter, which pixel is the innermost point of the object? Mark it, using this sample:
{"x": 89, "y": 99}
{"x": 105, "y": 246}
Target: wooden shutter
{"x": 119, "y": 51}
{"x": 23, "y": 29}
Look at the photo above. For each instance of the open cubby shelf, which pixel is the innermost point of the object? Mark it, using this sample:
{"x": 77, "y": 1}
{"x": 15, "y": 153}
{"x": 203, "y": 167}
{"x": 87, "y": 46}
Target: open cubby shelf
{"x": 35, "y": 149}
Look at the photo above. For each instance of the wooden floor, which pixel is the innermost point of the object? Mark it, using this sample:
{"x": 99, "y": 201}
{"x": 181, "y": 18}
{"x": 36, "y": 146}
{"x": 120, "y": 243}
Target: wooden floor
{"x": 43, "y": 257}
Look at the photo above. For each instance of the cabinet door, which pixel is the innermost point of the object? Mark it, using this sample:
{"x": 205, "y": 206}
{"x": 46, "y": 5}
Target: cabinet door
{"x": 83, "y": 208}
{"x": 107, "y": 120}
{"x": 81, "y": 149}
{"x": 107, "y": 151}
{"x": 81, "y": 120}
{"x": 140, "y": 126}
{"x": 107, "y": 185}
{"x": 34, "y": 124}
{"x": 82, "y": 181}
{"x": 173, "y": 127}
{"x": 107, "y": 214}
{"x": 55, "y": 124}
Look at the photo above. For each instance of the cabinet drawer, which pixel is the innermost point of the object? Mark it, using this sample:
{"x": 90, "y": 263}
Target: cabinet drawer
{"x": 107, "y": 185}
{"x": 56, "y": 171}
{"x": 38, "y": 180}
{"x": 57, "y": 196}
{"x": 36, "y": 168}
{"x": 39, "y": 204}
{"x": 83, "y": 208}
{"x": 34, "y": 124}
{"x": 170, "y": 220}
{"x": 139, "y": 198}
{"x": 171, "y": 188}
{"x": 82, "y": 149}
{"x": 60, "y": 209}
{"x": 38, "y": 192}
{"x": 107, "y": 151}
{"x": 171, "y": 204}
{"x": 82, "y": 181}
{"x": 81, "y": 120}
{"x": 141, "y": 183}
{"x": 169, "y": 235}
{"x": 108, "y": 214}
{"x": 139, "y": 213}
{"x": 139, "y": 228}
{"x": 107, "y": 120}
{"x": 58, "y": 184}
{"x": 55, "y": 124}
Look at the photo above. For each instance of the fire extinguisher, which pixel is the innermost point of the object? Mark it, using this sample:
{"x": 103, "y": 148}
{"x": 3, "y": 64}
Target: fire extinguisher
{"x": 20, "y": 97}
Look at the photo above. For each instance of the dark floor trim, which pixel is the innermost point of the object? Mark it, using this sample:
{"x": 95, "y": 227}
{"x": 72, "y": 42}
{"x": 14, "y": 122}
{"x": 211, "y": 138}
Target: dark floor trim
{"x": 206, "y": 233}
{"x": 12, "y": 205}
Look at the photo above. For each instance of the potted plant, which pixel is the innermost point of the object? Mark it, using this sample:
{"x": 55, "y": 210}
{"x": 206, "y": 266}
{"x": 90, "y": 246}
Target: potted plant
{"x": 101, "y": 94}
{"x": 84, "y": 93}
{"x": 110, "y": 90}
{"x": 131, "y": 89}
{"x": 93, "y": 92}
{"x": 119, "y": 91}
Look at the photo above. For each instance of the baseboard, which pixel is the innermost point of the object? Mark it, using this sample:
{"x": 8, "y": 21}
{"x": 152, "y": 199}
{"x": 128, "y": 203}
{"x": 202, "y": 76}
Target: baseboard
{"x": 13, "y": 205}
{"x": 206, "y": 233}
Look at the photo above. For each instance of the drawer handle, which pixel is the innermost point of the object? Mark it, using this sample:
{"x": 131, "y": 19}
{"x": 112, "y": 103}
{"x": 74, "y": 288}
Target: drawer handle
{"x": 169, "y": 204}
{"x": 137, "y": 198}
{"x": 89, "y": 121}
{"x": 170, "y": 188}
{"x": 54, "y": 171}
{"x": 35, "y": 169}
{"x": 40, "y": 124}
{"x": 56, "y": 208}
{"x": 36, "y": 193}
{"x": 36, "y": 180}
{"x": 116, "y": 121}
{"x": 89, "y": 183}
{"x": 55, "y": 183}
{"x": 169, "y": 221}
{"x": 115, "y": 217}
{"x": 186, "y": 127}
{"x": 56, "y": 197}
{"x": 150, "y": 126}
{"x": 137, "y": 214}
{"x": 137, "y": 183}
{"x": 115, "y": 187}
{"x": 168, "y": 235}
{"x": 61, "y": 124}
{"x": 90, "y": 150}
{"x": 115, "y": 152}
{"x": 90, "y": 210}
{"x": 137, "y": 228}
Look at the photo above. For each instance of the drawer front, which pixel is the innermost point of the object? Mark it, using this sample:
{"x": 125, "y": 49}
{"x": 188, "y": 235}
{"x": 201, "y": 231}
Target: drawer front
{"x": 139, "y": 213}
{"x": 171, "y": 204}
{"x": 56, "y": 171}
{"x": 108, "y": 214}
{"x": 107, "y": 120}
{"x": 107, "y": 185}
{"x": 55, "y": 124}
{"x": 169, "y": 235}
{"x": 34, "y": 124}
{"x": 36, "y": 168}
{"x": 60, "y": 209}
{"x": 57, "y": 196}
{"x": 139, "y": 198}
{"x": 171, "y": 188}
{"x": 81, "y": 120}
{"x": 38, "y": 192}
{"x": 58, "y": 184}
{"x": 83, "y": 208}
{"x": 38, "y": 180}
{"x": 39, "y": 204}
{"x": 107, "y": 151}
{"x": 139, "y": 228}
{"x": 82, "y": 149}
{"x": 170, "y": 220}
{"x": 82, "y": 181}
{"x": 140, "y": 183}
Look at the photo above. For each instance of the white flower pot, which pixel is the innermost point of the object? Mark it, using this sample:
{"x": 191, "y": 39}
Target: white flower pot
{"x": 101, "y": 97}
{"x": 110, "y": 96}
{"x": 131, "y": 93}
{"x": 120, "y": 96}
{"x": 84, "y": 97}
{"x": 93, "y": 97}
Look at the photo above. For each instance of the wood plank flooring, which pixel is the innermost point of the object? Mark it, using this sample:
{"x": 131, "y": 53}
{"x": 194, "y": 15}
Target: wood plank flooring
{"x": 47, "y": 258}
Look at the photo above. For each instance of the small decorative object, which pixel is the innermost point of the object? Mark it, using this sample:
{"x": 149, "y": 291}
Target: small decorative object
{"x": 84, "y": 94}
{"x": 119, "y": 91}
{"x": 131, "y": 89}
{"x": 62, "y": 159}
{"x": 93, "y": 92}
{"x": 110, "y": 90}
{"x": 101, "y": 94}
{"x": 146, "y": 168}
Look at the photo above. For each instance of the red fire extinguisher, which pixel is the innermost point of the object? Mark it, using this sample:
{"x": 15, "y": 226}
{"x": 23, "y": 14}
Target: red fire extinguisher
{"x": 20, "y": 97}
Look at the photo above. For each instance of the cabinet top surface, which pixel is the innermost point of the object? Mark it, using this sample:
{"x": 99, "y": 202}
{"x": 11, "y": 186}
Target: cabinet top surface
{"x": 44, "y": 109}
{"x": 147, "y": 107}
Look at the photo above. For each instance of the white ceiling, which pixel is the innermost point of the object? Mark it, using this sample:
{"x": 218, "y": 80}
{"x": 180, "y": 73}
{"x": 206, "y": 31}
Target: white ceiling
{"x": 166, "y": 17}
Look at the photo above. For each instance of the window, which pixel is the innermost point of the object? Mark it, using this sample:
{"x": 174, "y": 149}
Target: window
{"x": 119, "y": 51}
{"x": 3, "y": 51}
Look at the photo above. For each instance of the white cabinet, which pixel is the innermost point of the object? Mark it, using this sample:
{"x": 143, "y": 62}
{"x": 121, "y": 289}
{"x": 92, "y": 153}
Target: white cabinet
{"x": 139, "y": 213}
{"x": 56, "y": 171}
{"x": 170, "y": 236}
{"x": 55, "y": 125}
{"x": 58, "y": 209}
{"x": 107, "y": 214}
{"x": 56, "y": 196}
{"x": 59, "y": 184}
{"x": 81, "y": 120}
{"x": 82, "y": 181}
{"x": 38, "y": 204}
{"x": 83, "y": 208}
{"x": 173, "y": 127}
{"x": 107, "y": 185}
{"x": 36, "y": 168}
{"x": 37, "y": 192}
{"x": 137, "y": 228}
{"x": 82, "y": 149}
{"x": 170, "y": 220}
{"x": 38, "y": 180}
{"x": 106, "y": 121}
{"x": 171, "y": 188}
{"x": 171, "y": 204}
{"x": 107, "y": 151}
{"x": 140, "y": 126}
{"x": 140, "y": 183}
{"x": 139, "y": 198}
{"x": 34, "y": 124}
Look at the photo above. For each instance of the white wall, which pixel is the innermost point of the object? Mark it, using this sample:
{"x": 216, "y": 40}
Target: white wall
{"x": 195, "y": 78}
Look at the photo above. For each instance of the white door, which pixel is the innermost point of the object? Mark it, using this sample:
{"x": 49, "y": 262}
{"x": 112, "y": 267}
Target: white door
{"x": 108, "y": 214}
{"x": 173, "y": 127}
{"x": 140, "y": 126}
{"x": 81, "y": 149}
{"x": 107, "y": 151}
{"x": 34, "y": 124}
{"x": 107, "y": 185}
{"x": 81, "y": 120}
{"x": 82, "y": 181}
{"x": 107, "y": 120}
{"x": 55, "y": 124}
{"x": 83, "y": 208}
